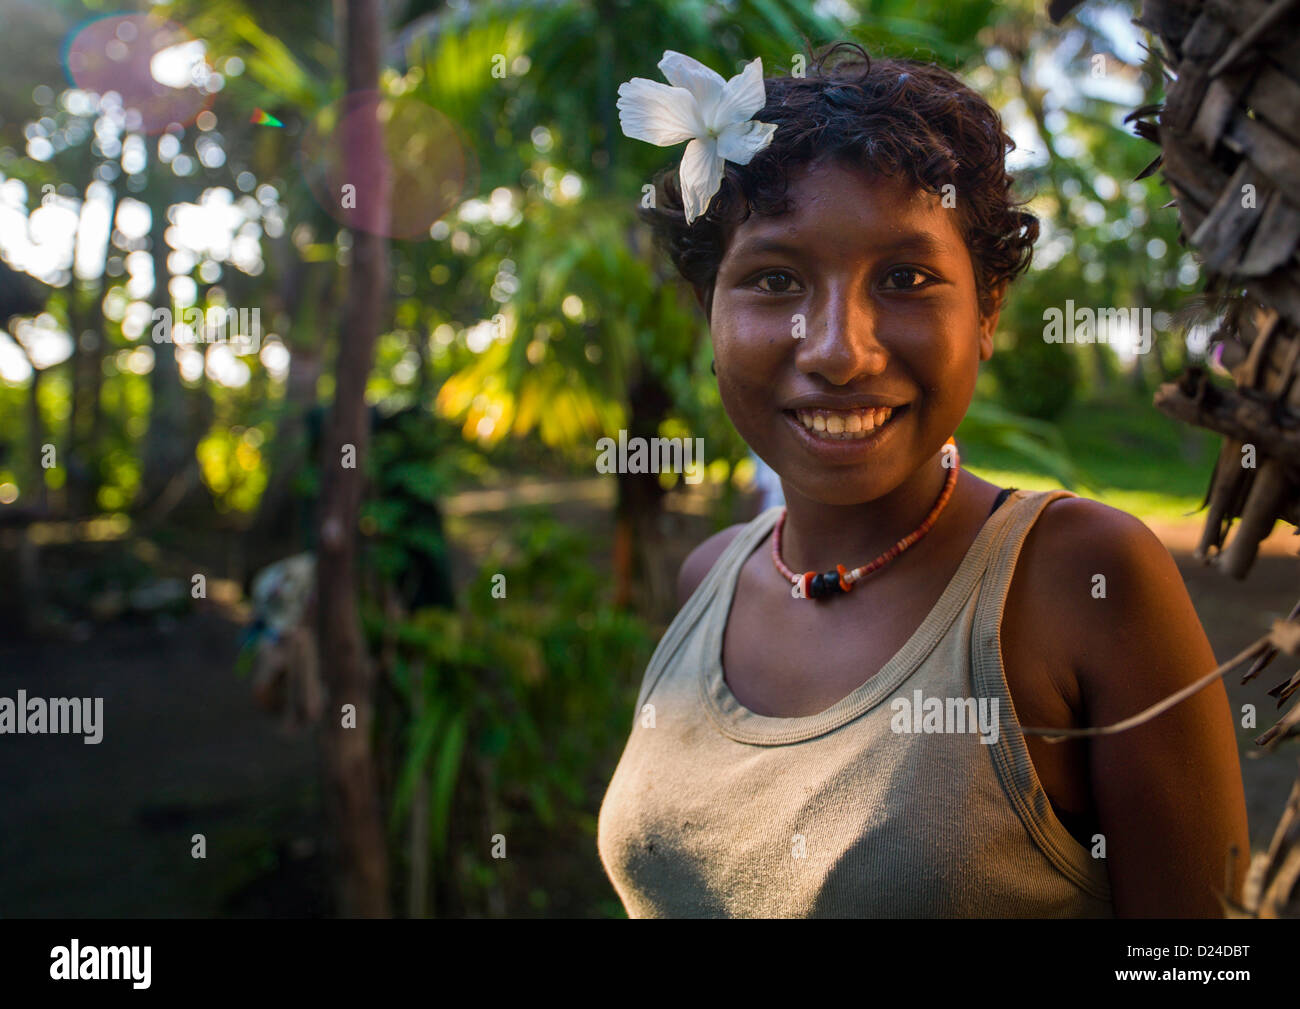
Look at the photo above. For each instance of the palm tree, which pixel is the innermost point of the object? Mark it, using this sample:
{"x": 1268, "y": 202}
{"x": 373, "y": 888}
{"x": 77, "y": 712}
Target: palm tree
{"x": 624, "y": 354}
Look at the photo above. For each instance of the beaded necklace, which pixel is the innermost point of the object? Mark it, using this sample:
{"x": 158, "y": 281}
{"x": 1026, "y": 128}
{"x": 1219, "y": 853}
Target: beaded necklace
{"x": 811, "y": 585}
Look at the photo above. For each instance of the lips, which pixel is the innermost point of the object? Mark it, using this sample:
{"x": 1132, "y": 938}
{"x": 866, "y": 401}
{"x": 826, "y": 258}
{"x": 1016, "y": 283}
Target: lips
{"x": 845, "y": 425}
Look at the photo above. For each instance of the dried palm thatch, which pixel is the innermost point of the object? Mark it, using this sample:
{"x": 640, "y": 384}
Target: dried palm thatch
{"x": 1229, "y": 136}
{"x": 1229, "y": 133}
{"x": 1272, "y": 887}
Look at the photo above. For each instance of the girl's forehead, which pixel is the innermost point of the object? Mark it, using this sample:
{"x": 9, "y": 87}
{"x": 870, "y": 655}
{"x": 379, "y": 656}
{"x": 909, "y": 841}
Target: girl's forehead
{"x": 835, "y": 204}
{"x": 834, "y": 182}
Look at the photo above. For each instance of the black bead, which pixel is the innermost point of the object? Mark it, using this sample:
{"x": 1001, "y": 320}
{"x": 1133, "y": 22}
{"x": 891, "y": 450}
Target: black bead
{"x": 832, "y": 580}
{"x": 817, "y": 587}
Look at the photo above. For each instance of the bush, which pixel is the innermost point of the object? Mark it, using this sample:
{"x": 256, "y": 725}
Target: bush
{"x": 1035, "y": 378}
{"x": 525, "y": 699}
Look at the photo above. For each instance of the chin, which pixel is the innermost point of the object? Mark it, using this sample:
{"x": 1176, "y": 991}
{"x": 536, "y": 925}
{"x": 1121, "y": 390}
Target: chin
{"x": 842, "y": 494}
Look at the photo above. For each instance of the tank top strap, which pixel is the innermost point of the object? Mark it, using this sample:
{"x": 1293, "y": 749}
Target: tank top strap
{"x": 725, "y": 568}
{"x": 1021, "y": 513}
{"x": 1010, "y": 754}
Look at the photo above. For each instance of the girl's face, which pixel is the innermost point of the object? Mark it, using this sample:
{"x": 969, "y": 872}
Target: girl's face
{"x": 862, "y": 297}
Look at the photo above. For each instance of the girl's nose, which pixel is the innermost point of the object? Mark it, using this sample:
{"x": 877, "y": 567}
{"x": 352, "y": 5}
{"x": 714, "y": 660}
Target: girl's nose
{"x": 840, "y": 341}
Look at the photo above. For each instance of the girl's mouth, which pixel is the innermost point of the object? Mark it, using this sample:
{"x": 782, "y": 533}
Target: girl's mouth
{"x": 846, "y": 425}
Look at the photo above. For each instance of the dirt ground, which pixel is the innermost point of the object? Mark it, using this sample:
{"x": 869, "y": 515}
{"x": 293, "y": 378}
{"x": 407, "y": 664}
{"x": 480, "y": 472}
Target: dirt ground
{"x": 1234, "y": 614}
{"x": 106, "y": 830}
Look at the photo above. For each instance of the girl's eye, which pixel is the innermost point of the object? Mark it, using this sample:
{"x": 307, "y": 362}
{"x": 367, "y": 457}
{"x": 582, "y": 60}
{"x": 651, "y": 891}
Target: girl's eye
{"x": 906, "y": 278}
{"x": 777, "y": 282}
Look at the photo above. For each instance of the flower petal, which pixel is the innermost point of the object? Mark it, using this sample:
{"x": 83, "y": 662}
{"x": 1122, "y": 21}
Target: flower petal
{"x": 739, "y": 142}
{"x": 742, "y": 97}
{"x": 706, "y": 85}
{"x": 701, "y": 176}
{"x": 657, "y": 113}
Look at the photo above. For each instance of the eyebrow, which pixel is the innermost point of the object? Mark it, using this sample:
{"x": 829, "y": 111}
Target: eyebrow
{"x": 919, "y": 242}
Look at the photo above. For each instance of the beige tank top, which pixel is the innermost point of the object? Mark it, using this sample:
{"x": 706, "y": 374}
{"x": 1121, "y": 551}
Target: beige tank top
{"x": 914, "y": 796}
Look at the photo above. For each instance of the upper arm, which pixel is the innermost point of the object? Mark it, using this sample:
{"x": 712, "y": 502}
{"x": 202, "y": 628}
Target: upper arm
{"x": 1168, "y": 793}
{"x": 700, "y": 560}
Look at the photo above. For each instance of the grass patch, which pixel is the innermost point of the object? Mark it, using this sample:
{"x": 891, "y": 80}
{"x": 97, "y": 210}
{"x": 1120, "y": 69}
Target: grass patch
{"x": 1132, "y": 457}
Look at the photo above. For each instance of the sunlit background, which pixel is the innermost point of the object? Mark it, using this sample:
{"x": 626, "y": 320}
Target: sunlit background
{"x": 172, "y": 157}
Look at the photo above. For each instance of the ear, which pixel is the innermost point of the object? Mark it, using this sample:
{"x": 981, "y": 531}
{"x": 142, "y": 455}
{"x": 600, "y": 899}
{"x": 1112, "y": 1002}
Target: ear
{"x": 989, "y": 322}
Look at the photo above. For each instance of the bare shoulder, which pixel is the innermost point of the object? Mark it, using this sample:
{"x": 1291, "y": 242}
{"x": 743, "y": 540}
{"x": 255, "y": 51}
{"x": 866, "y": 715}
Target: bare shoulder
{"x": 1078, "y": 537}
{"x": 1115, "y": 583}
{"x": 1111, "y": 611}
{"x": 1076, "y": 531}
{"x": 700, "y": 560}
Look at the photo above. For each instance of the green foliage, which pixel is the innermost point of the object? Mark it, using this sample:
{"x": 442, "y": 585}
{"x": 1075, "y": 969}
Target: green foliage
{"x": 1036, "y": 378}
{"x": 1034, "y": 444}
{"x": 414, "y": 460}
{"x": 531, "y": 691}
{"x": 232, "y": 466}
{"x": 564, "y": 367}
{"x": 546, "y": 135}
{"x": 1137, "y": 460}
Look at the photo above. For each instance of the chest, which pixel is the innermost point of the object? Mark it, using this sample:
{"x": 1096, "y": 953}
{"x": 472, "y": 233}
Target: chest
{"x": 787, "y": 658}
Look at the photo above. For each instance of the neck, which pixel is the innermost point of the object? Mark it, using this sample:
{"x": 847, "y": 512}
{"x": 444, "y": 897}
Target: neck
{"x": 819, "y": 536}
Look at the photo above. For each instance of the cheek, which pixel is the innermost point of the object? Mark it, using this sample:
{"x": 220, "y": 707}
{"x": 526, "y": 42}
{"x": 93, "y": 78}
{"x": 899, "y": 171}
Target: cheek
{"x": 750, "y": 359}
{"x": 961, "y": 387}
{"x": 743, "y": 390}
{"x": 949, "y": 375}
{"x": 748, "y": 340}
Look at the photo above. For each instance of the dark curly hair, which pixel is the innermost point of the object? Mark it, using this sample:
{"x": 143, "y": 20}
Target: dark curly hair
{"x": 893, "y": 117}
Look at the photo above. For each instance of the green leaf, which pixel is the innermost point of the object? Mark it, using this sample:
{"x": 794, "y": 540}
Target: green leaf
{"x": 422, "y": 739}
{"x": 446, "y": 771}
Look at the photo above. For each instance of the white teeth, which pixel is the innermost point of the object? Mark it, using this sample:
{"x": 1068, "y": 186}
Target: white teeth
{"x": 844, "y": 425}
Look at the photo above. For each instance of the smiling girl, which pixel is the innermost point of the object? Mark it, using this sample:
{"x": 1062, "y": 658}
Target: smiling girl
{"x": 852, "y": 270}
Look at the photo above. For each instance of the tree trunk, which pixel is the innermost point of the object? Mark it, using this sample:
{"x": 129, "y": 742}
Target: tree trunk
{"x": 351, "y": 778}
{"x": 168, "y": 445}
{"x": 77, "y": 493}
{"x": 36, "y": 432}
{"x": 279, "y": 526}
{"x": 638, "y": 532}
{"x": 94, "y": 389}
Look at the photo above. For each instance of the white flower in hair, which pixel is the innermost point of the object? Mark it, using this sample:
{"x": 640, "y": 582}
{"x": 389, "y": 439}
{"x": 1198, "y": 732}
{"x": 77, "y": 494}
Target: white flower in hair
{"x": 713, "y": 114}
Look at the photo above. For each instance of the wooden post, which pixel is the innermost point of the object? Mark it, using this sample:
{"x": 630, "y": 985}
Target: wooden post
{"x": 350, "y": 772}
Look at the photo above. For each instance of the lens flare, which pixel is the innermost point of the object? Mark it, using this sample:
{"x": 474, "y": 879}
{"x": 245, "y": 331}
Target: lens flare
{"x": 155, "y": 66}
{"x": 423, "y": 170}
